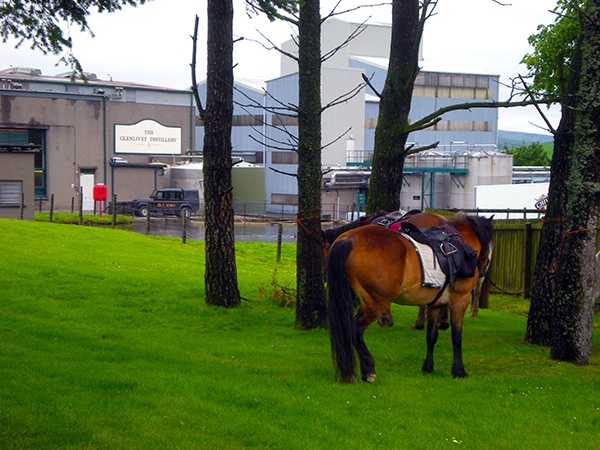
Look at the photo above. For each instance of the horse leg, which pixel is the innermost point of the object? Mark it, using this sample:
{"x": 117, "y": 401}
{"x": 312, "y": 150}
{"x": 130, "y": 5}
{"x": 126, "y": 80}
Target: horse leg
{"x": 367, "y": 362}
{"x": 366, "y": 316}
{"x": 420, "y": 322}
{"x": 456, "y": 322}
{"x": 433, "y": 316}
{"x": 475, "y": 295}
{"x": 444, "y": 325}
{"x": 386, "y": 319}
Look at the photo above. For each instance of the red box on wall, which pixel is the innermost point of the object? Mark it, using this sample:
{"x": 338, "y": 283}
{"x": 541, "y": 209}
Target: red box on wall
{"x": 99, "y": 192}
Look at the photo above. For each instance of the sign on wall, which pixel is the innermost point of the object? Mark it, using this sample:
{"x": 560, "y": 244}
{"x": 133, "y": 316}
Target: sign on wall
{"x": 148, "y": 137}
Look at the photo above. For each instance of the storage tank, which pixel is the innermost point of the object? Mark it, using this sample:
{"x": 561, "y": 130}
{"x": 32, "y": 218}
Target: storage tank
{"x": 185, "y": 176}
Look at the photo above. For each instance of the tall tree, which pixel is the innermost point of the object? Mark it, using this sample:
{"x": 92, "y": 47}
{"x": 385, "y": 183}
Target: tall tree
{"x": 220, "y": 277}
{"x": 554, "y": 67}
{"x": 311, "y": 303}
{"x": 572, "y": 330}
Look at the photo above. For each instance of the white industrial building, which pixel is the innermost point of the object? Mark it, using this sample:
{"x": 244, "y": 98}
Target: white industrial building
{"x": 445, "y": 178}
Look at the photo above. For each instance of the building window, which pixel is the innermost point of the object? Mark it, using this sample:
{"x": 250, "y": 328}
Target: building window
{"x": 11, "y": 193}
{"x": 278, "y": 120}
{"x": 284, "y": 158}
{"x": 31, "y": 136}
{"x": 247, "y": 121}
{"x": 284, "y": 199}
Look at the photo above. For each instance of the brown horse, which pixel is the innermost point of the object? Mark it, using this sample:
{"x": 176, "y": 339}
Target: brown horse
{"x": 418, "y": 218}
{"x": 381, "y": 267}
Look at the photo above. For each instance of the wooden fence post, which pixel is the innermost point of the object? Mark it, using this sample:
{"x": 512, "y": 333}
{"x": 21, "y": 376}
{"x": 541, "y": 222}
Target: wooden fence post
{"x": 80, "y": 206}
{"x": 183, "y": 228}
{"x": 148, "y": 220}
{"x": 114, "y": 210}
{"x": 51, "y": 207}
{"x": 527, "y": 265}
{"x": 279, "y": 234}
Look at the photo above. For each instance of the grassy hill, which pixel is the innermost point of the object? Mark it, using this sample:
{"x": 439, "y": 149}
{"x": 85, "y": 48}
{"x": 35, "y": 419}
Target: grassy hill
{"x": 106, "y": 343}
{"x": 515, "y": 138}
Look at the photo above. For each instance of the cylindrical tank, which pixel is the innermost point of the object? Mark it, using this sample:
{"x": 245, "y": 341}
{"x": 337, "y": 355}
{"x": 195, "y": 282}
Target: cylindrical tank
{"x": 186, "y": 176}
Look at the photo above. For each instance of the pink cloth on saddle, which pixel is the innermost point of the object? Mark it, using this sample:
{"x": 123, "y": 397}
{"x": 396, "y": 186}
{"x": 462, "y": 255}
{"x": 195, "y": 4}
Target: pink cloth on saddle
{"x": 396, "y": 226}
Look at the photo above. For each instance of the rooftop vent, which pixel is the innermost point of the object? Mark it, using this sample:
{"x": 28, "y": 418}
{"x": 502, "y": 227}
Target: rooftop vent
{"x": 22, "y": 71}
{"x": 73, "y": 74}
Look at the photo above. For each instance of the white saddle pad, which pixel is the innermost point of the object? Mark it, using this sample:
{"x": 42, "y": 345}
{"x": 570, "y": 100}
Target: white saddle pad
{"x": 431, "y": 273}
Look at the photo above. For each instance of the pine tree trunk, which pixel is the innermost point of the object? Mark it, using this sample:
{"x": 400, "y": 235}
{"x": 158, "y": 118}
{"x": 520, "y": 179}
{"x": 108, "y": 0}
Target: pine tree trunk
{"x": 542, "y": 309}
{"x": 572, "y": 331}
{"x": 392, "y": 125}
{"x": 220, "y": 277}
{"x": 311, "y": 307}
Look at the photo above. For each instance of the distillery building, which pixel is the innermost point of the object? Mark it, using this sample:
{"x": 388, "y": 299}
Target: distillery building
{"x": 90, "y": 131}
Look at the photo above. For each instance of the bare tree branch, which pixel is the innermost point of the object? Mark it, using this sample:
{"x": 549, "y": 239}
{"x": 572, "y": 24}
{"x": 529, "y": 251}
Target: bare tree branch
{"x": 357, "y": 32}
{"x": 424, "y": 123}
{"x": 193, "y": 66}
{"x": 336, "y": 139}
{"x": 275, "y": 47}
{"x": 368, "y": 82}
{"x": 344, "y": 97}
{"x": 284, "y": 173}
{"x": 412, "y": 150}
{"x": 537, "y": 106}
{"x": 334, "y": 13}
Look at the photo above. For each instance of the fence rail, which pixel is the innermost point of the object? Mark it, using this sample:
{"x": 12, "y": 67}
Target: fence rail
{"x": 516, "y": 241}
{"x": 516, "y": 244}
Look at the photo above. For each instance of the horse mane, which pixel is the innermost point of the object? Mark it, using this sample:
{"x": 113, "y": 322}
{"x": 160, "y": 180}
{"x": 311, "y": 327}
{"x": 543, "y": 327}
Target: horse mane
{"x": 332, "y": 234}
{"x": 482, "y": 227}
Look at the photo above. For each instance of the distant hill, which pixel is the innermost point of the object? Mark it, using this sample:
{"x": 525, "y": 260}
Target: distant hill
{"x": 516, "y": 138}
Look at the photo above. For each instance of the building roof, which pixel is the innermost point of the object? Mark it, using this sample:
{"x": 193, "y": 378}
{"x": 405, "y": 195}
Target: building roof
{"x": 29, "y": 74}
{"x": 426, "y": 66}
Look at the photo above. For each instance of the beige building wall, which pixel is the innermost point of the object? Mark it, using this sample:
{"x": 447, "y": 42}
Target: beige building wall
{"x": 79, "y": 139}
{"x": 18, "y": 166}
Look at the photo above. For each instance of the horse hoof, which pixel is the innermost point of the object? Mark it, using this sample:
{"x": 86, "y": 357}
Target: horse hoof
{"x": 417, "y": 327}
{"x": 460, "y": 374}
{"x": 349, "y": 380}
{"x": 444, "y": 326}
{"x": 369, "y": 378}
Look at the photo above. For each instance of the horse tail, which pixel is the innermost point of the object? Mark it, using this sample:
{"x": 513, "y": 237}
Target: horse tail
{"x": 340, "y": 311}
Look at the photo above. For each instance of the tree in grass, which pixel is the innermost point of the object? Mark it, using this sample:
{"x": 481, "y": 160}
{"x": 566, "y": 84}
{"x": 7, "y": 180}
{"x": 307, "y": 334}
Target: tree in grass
{"x": 311, "y": 309}
{"x": 564, "y": 60}
{"x": 311, "y": 304}
{"x": 220, "y": 278}
{"x": 573, "y": 310}
{"x": 311, "y": 299}
{"x": 554, "y": 67}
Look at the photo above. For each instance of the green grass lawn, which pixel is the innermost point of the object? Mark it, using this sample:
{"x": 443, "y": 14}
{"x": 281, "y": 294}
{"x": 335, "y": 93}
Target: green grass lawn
{"x": 106, "y": 343}
{"x": 87, "y": 219}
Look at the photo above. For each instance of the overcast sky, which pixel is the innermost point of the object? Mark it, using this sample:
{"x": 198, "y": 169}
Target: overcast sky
{"x": 151, "y": 44}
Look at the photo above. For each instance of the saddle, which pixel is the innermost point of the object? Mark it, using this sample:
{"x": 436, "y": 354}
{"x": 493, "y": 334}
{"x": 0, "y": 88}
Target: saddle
{"x": 394, "y": 219}
{"x": 457, "y": 259}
